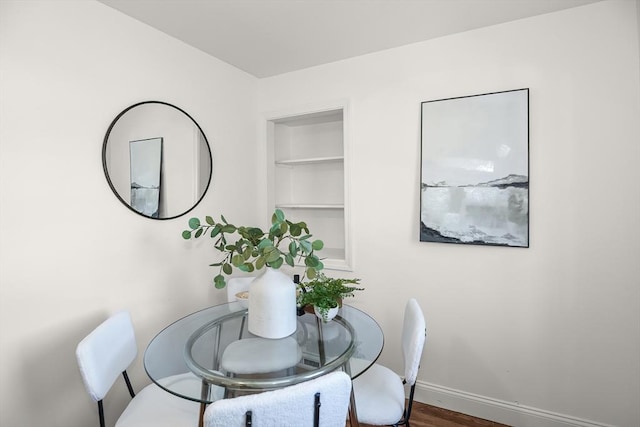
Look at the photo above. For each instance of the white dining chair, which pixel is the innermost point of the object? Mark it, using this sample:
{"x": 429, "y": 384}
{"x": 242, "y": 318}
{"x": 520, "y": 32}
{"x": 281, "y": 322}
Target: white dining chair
{"x": 237, "y": 284}
{"x": 106, "y": 353}
{"x": 234, "y": 286}
{"x": 379, "y": 392}
{"x": 321, "y": 402}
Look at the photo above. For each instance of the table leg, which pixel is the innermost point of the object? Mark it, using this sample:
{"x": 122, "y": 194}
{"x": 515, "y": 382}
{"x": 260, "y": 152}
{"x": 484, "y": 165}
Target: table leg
{"x": 204, "y": 395}
{"x": 321, "y": 354}
{"x": 353, "y": 414}
{"x": 203, "y": 406}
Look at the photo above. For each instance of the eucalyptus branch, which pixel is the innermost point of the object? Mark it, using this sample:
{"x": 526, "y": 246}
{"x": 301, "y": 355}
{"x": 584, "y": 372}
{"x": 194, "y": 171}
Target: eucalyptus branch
{"x": 255, "y": 249}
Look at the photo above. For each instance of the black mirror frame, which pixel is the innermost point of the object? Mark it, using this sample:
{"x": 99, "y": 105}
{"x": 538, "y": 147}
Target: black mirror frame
{"x": 106, "y": 171}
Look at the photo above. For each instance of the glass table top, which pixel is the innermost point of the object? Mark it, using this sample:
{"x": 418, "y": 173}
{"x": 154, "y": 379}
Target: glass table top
{"x": 210, "y": 352}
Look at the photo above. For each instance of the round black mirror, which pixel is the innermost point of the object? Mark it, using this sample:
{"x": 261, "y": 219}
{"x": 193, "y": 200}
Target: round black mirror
{"x": 157, "y": 160}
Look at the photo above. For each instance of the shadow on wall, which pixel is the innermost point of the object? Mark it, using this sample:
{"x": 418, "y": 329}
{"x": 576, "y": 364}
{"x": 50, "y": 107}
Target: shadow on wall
{"x": 51, "y": 379}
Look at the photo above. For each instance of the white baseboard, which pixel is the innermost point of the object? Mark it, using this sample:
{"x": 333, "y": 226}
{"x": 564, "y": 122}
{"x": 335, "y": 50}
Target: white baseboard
{"x": 496, "y": 410}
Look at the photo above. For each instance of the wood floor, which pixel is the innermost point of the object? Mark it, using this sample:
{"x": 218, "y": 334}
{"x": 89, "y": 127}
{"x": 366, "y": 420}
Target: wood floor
{"x": 423, "y": 415}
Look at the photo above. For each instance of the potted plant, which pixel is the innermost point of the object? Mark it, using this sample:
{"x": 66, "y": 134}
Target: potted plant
{"x": 272, "y": 295}
{"x": 248, "y": 248}
{"x": 325, "y": 294}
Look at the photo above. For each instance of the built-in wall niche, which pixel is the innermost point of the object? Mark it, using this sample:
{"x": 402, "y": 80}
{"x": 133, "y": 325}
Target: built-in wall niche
{"x": 307, "y": 170}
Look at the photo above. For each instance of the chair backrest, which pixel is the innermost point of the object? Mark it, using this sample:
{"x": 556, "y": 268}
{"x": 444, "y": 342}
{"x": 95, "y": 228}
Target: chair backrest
{"x": 105, "y": 353}
{"x": 237, "y": 284}
{"x": 292, "y": 406}
{"x": 413, "y": 339}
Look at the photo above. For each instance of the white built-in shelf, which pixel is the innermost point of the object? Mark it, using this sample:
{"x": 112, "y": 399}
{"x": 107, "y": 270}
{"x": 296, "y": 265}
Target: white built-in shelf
{"x": 331, "y": 255}
{"x": 308, "y": 206}
{"x": 306, "y": 175}
{"x": 310, "y": 161}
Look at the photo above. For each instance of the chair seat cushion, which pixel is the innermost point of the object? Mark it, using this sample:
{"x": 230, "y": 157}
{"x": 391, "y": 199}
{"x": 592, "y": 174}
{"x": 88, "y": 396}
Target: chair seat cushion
{"x": 260, "y": 355}
{"x": 380, "y": 396}
{"x": 155, "y": 407}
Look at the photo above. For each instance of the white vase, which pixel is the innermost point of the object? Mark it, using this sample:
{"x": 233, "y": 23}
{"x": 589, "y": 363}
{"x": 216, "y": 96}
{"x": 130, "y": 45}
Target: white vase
{"x": 331, "y": 313}
{"x": 272, "y": 305}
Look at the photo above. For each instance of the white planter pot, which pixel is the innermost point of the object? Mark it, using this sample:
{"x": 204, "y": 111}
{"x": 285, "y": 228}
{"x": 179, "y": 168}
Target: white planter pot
{"x": 272, "y": 305}
{"x": 331, "y": 313}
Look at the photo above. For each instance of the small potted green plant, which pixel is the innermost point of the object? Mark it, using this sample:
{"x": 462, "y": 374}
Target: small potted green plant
{"x": 248, "y": 248}
{"x": 325, "y": 294}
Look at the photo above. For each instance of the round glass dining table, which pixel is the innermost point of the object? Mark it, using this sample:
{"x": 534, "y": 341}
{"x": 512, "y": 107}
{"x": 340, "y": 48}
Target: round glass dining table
{"x": 210, "y": 354}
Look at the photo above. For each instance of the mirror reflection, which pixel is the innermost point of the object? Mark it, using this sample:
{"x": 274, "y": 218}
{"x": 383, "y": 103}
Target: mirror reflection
{"x": 157, "y": 160}
{"x": 145, "y": 157}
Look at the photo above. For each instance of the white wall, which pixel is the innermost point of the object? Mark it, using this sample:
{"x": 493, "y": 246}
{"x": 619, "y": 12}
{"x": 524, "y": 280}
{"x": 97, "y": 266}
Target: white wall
{"x": 542, "y": 336}
{"x": 550, "y": 331}
{"x": 71, "y": 254}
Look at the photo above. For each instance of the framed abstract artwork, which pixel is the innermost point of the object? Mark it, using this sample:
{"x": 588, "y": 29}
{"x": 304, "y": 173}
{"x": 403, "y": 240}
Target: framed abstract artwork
{"x": 475, "y": 169}
{"x": 146, "y": 172}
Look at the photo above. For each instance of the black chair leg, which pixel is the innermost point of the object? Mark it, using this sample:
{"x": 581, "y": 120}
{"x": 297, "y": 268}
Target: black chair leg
{"x": 316, "y": 411}
{"x": 407, "y": 411}
{"x": 101, "y": 413}
{"x": 126, "y": 380}
{"x": 248, "y": 421}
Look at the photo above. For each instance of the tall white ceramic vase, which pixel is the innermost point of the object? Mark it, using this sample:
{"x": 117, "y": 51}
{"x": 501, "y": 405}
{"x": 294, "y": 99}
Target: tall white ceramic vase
{"x": 272, "y": 305}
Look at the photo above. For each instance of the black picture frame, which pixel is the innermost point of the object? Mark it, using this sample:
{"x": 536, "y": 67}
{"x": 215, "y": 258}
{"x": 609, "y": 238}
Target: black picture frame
{"x": 475, "y": 169}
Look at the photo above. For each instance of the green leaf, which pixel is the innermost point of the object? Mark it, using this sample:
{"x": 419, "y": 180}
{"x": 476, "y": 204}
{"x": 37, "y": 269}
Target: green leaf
{"x": 223, "y": 219}
{"x": 237, "y": 260}
{"x": 219, "y": 281}
{"x": 311, "y": 273}
{"x": 311, "y": 261}
{"x": 289, "y": 260}
{"x": 229, "y": 228}
{"x": 306, "y": 246}
{"x": 246, "y": 254}
{"x": 194, "y": 223}
{"x": 265, "y": 243}
{"x": 209, "y": 220}
{"x": 317, "y": 245}
{"x": 215, "y": 231}
{"x": 293, "y": 249}
{"x": 199, "y": 232}
{"x": 260, "y": 261}
{"x": 275, "y": 229}
{"x": 226, "y": 267}
{"x": 276, "y": 264}
{"x": 305, "y": 237}
{"x": 279, "y": 215}
{"x": 248, "y": 266}
{"x": 295, "y": 230}
{"x": 271, "y": 255}
{"x": 186, "y": 234}
{"x": 284, "y": 227}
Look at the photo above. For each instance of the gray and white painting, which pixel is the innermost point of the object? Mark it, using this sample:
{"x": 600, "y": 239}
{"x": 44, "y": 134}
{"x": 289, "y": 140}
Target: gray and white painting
{"x": 146, "y": 163}
{"x": 475, "y": 170}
